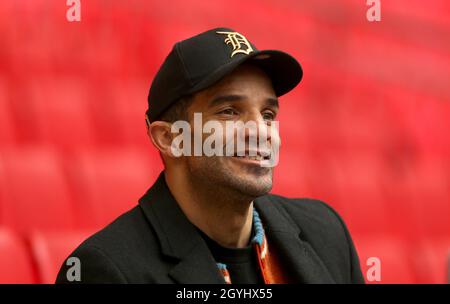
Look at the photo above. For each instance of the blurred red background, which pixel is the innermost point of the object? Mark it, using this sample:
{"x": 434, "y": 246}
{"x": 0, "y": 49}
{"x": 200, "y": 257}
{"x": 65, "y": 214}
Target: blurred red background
{"x": 366, "y": 131}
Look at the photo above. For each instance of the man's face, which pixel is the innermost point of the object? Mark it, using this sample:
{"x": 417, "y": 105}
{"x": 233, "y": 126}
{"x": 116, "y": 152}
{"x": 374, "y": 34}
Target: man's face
{"x": 245, "y": 95}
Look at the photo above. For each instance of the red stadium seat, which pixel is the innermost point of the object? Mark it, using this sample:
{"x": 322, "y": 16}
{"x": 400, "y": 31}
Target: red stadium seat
{"x": 35, "y": 193}
{"x": 292, "y": 175}
{"x": 50, "y": 249}
{"x": 7, "y": 130}
{"x": 129, "y": 103}
{"x": 432, "y": 260}
{"x": 122, "y": 121}
{"x": 394, "y": 255}
{"x": 350, "y": 184}
{"x": 109, "y": 182}
{"x": 357, "y": 178}
{"x": 16, "y": 266}
{"x": 431, "y": 197}
{"x": 60, "y": 112}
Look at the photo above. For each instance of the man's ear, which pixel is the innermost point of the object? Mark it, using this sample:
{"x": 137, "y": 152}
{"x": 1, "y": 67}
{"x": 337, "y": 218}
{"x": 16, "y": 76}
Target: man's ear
{"x": 161, "y": 136}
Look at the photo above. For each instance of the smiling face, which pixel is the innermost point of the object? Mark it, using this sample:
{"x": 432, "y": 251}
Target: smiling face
{"x": 245, "y": 95}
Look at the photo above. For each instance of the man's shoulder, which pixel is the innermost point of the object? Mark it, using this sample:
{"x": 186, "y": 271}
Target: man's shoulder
{"x": 314, "y": 218}
{"x": 322, "y": 229}
{"x": 117, "y": 250}
{"x": 307, "y": 210}
{"x": 130, "y": 227}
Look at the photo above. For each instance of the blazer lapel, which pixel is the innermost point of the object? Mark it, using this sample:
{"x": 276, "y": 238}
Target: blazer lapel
{"x": 193, "y": 262}
{"x": 179, "y": 239}
{"x": 304, "y": 264}
{"x": 198, "y": 267}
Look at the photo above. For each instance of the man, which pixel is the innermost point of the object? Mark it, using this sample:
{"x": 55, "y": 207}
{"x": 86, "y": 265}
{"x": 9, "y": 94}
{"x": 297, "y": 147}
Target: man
{"x": 209, "y": 218}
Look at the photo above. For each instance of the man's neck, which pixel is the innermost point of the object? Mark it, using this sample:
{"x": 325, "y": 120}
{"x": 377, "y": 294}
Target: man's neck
{"x": 225, "y": 219}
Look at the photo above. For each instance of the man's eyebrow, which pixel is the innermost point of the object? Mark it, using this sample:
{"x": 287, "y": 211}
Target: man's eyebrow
{"x": 271, "y": 102}
{"x": 224, "y": 98}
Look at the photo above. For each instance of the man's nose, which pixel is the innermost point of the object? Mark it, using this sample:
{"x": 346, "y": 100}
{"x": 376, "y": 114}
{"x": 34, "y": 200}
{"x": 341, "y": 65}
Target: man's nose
{"x": 260, "y": 128}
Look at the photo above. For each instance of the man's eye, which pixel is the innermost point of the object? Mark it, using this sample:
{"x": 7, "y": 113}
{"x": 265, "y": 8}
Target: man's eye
{"x": 268, "y": 116}
{"x": 228, "y": 112}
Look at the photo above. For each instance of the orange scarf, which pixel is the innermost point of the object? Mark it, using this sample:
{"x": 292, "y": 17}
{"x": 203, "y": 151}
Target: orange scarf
{"x": 269, "y": 263}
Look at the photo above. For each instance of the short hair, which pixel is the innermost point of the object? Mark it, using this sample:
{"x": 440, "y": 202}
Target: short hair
{"x": 177, "y": 111}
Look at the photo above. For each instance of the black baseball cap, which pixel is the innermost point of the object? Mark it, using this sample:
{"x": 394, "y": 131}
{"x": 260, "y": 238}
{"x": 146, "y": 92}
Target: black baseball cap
{"x": 200, "y": 61}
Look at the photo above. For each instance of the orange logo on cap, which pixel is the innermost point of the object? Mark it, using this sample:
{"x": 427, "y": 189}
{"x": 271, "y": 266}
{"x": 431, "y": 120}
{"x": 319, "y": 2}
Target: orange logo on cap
{"x": 238, "y": 42}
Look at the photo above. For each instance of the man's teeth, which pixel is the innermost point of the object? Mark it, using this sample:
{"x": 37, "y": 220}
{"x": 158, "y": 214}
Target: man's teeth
{"x": 256, "y": 157}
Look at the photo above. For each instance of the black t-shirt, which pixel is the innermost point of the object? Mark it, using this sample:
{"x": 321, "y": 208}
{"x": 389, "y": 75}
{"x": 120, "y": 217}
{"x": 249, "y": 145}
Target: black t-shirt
{"x": 242, "y": 263}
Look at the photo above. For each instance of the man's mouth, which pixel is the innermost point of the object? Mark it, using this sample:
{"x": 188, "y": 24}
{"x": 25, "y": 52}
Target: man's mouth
{"x": 253, "y": 155}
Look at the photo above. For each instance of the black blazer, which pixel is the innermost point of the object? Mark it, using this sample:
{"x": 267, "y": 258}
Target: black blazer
{"x": 155, "y": 243}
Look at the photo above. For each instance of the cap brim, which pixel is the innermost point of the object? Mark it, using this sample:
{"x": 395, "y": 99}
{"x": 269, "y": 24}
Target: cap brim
{"x": 283, "y": 69}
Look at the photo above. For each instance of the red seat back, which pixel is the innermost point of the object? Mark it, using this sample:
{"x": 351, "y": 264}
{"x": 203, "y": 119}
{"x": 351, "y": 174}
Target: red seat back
{"x": 35, "y": 192}
{"x": 16, "y": 266}
{"x": 50, "y": 249}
